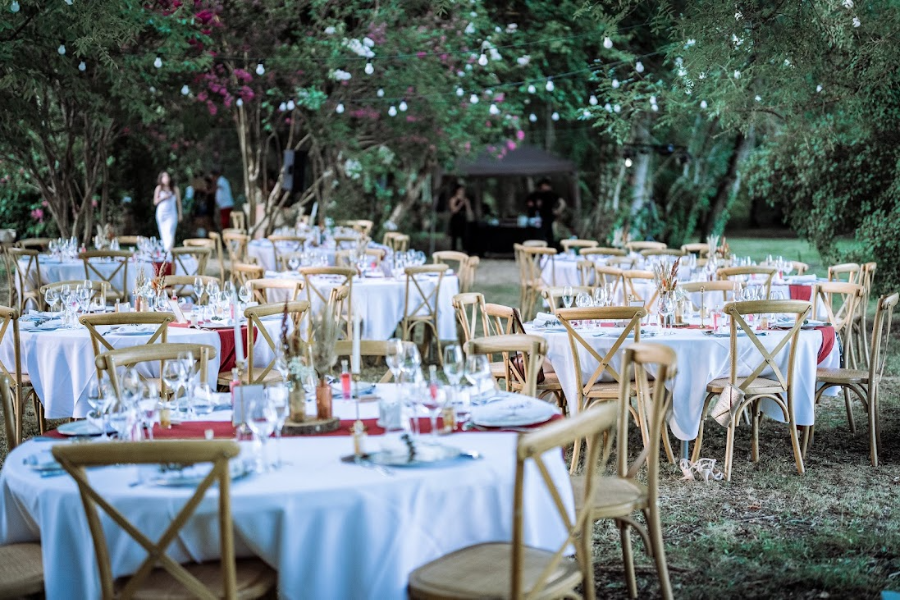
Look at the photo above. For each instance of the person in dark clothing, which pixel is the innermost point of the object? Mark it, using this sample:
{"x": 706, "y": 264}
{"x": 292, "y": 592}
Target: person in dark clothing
{"x": 460, "y": 216}
{"x": 542, "y": 203}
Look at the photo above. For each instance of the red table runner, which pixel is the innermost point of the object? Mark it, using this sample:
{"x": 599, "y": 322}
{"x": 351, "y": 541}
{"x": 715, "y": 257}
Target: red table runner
{"x": 226, "y": 342}
{"x": 800, "y": 292}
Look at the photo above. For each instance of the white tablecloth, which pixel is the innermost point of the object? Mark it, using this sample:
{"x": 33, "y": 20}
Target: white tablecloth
{"x": 380, "y": 302}
{"x": 701, "y": 358}
{"x": 61, "y": 363}
{"x": 331, "y": 529}
{"x": 264, "y": 253}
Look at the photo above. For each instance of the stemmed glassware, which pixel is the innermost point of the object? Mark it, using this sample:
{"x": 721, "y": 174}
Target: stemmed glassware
{"x": 599, "y": 297}
{"x": 478, "y": 373}
{"x": 51, "y": 295}
{"x": 148, "y": 405}
{"x": 198, "y": 287}
{"x": 394, "y": 358}
{"x": 568, "y": 296}
{"x": 262, "y": 418}
{"x": 665, "y": 307}
{"x": 278, "y": 398}
{"x": 244, "y": 294}
{"x": 454, "y": 369}
{"x": 411, "y": 373}
{"x": 202, "y": 399}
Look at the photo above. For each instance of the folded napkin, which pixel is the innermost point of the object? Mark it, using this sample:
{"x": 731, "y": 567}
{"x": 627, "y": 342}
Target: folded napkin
{"x": 802, "y": 279}
{"x": 543, "y": 319}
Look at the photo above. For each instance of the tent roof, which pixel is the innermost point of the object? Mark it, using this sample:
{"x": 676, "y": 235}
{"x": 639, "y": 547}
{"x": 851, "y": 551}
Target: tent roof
{"x": 524, "y": 160}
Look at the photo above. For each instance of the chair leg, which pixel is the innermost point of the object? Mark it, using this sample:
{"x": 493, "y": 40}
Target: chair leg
{"x": 627, "y": 558}
{"x": 39, "y": 412}
{"x": 576, "y": 456}
{"x": 808, "y": 431}
{"x": 755, "y": 417}
{"x": 874, "y": 429}
{"x": 849, "y": 407}
{"x": 795, "y": 444}
{"x": 698, "y": 443}
{"x": 729, "y": 447}
{"x": 654, "y": 529}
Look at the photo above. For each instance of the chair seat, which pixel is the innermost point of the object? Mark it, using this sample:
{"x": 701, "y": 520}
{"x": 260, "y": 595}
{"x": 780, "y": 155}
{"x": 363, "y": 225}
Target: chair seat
{"x": 604, "y": 389}
{"x": 21, "y": 570}
{"x": 498, "y": 370}
{"x": 760, "y": 385}
{"x": 842, "y": 376}
{"x": 615, "y": 496}
{"x": 254, "y": 580}
{"x": 483, "y": 571}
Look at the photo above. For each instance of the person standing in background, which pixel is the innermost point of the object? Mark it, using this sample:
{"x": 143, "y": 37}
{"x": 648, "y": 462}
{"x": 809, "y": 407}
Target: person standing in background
{"x": 460, "y": 216}
{"x": 167, "y": 200}
{"x": 224, "y": 199}
{"x": 543, "y": 201}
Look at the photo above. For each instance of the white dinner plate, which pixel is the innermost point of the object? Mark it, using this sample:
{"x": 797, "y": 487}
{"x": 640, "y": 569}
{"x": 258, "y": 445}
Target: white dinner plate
{"x": 193, "y": 475}
{"x": 81, "y": 428}
{"x": 513, "y": 412}
{"x": 425, "y": 455}
{"x": 42, "y": 462}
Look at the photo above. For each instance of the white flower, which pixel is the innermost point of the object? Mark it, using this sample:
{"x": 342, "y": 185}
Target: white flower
{"x": 787, "y": 62}
{"x": 369, "y": 42}
{"x": 703, "y": 104}
{"x": 359, "y": 48}
{"x": 737, "y": 74}
{"x": 495, "y": 54}
{"x": 329, "y": 30}
{"x": 738, "y": 16}
{"x": 353, "y": 168}
{"x": 470, "y": 29}
{"x": 856, "y": 22}
{"x": 494, "y": 110}
{"x": 523, "y": 60}
{"x": 758, "y": 98}
{"x": 341, "y": 75}
{"x": 848, "y": 3}
{"x": 819, "y": 88}
{"x": 511, "y": 27}
{"x": 682, "y": 72}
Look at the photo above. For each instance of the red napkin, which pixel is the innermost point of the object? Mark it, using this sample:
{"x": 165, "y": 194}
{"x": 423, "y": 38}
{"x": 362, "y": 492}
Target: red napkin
{"x": 828, "y": 338}
{"x": 226, "y": 343}
{"x": 161, "y": 269}
{"x": 800, "y": 292}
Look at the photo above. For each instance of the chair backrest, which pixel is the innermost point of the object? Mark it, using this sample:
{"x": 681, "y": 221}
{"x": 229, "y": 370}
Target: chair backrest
{"x": 849, "y": 270}
{"x": 868, "y": 280}
{"x": 343, "y": 277}
{"x": 181, "y": 257}
{"x": 420, "y": 305}
{"x": 236, "y": 246}
{"x": 575, "y": 243}
{"x": 533, "y": 349}
{"x": 9, "y": 326}
{"x": 284, "y": 261}
{"x": 630, "y": 278}
{"x": 368, "y": 348}
{"x": 800, "y": 267}
{"x": 74, "y": 458}
{"x": 101, "y": 345}
{"x": 503, "y": 319}
{"x": 100, "y": 288}
{"x": 180, "y": 284}
{"x": 241, "y": 273}
{"x": 620, "y": 262}
{"x": 295, "y": 310}
{"x": 747, "y": 273}
{"x": 554, "y": 295}
{"x": 238, "y": 220}
{"x": 128, "y": 240}
{"x": 469, "y": 307}
{"x": 840, "y": 301}
{"x": 611, "y": 279}
{"x": 467, "y": 274}
{"x": 286, "y": 244}
{"x": 703, "y": 288}
{"x": 260, "y": 288}
{"x": 363, "y": 226}
{"x": 881, "y": 336}
{"x": 767, "y": 358}
{"x": 661, "y": 252}
{"x": 127, "y": 357}
{"x": 595, "y": 424}
{"x": 27, "y": 266}
{"x": 698, "y": 248}
{"x": 42, "y": 244}
{"x": 397, "y": 242}
{"x": 580, "y": 346}
{"x": 344, "y": 258}
{"x": 638, "y": 246}
{"x": 465, "y": 266}
{"x": 9, "y": 414}
{"x": 533, "y": 260}
{"x": 597, "y": 251}
{"x": 113, "y": 276}
{"x": 214, "y": 241}
{"x": 534, "y": 244}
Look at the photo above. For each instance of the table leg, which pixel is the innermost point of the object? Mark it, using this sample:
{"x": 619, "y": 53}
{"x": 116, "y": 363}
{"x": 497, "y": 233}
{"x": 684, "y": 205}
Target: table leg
{"x": 685, "y": 449}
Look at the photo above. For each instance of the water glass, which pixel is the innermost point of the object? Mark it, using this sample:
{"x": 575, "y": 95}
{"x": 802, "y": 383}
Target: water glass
{"x": 478, "y": 373}
{"x": 261, "y": 418}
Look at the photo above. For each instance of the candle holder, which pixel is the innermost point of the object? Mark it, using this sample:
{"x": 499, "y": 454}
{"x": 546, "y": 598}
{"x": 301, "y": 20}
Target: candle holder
{"x": 242, "y": 430}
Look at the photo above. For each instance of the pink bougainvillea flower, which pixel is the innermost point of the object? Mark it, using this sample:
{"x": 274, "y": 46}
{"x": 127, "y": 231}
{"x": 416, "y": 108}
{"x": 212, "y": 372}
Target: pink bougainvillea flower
{"x": 38, "y": 215}
{"x": 212, "y": 108}
{"x": 520, "y": 135}
{"x": 511, "y": 145}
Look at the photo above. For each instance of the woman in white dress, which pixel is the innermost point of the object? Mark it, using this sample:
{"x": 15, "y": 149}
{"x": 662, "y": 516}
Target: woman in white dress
{"x": 167, "y": 200}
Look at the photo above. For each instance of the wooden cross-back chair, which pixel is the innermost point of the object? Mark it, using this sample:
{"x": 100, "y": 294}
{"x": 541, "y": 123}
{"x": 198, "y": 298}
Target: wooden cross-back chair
{"x": 624, "y": 493}
{"x": 535, "y": 243}
{"x": 553, "y": 296}
{"x": 159, "y": 575}
{"x": 370, "y": 348}
{"x": 860, "y": 329}
{"x": 863, "y": 383}
{"x": 611, "y": 279}
{"x": 286, "y": 244}
{"x": 746, "y": 274}
{"x": 631, "y": 289}
{"x": 747, "y": 392}
{"x": 128, "y": 240}
{"x": 594, "y": 389}
{"x": 396, "y": 241}
{"x": 469, "y": 309}
{"x": 339, "y": 277}
{"x": 182, "y": 258}
{"x": 180, "y": 284}
{"x": 236, "y": 247}
{"x": 577, "y": 243}
{"x": 638, "y": 246}
{"x": 624, "y": 263}
{"x": 346, "y": 241}
{"x": 841, "y": 302}
{"x": 18, "y": 381}
{"x": 110, "y": 362}
{"x": 119, "y": 274}
{"x": 10, "y": 274}
{"x": 421, "y": 307}
{"x": 363, "y": 226}
{"x": 512, "y": 570}
{"x": 699, "y": 248}
{"x": 41, "y": 244}
{"x": 852, "y": 272}
{"x": 600, "y": 252}
{"x": 100, "y": 289}
{"x": 532, "y": 280}
{"x": 238, "y": 220}
{"x": 710, "y": 291}
{"x": 214, "y": 243}
{"x": 100, "y": 344}
{"x": 241, "y": 273}
{"x": 296, "y": 310}
{"x": 458, "y": 261}
{"x": 26, "y": 264}
{"x": 800, "y": 267}
{"x": 533, "y": 349}
{"x": 344, "y": 258}
{"x": 651, "y": 252}
{"x": 285, "y": 258}
{"x": 260, "y": 289}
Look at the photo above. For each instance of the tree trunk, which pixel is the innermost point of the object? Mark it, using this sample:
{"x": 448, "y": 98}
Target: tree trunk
{"x": 641, "y": 185}
{"x": 730, "y": 183}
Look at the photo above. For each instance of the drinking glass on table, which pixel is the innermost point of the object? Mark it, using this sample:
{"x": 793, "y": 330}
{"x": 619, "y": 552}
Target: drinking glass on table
{"x": 433, "y": 400}
{"x": 228, "y": 288}
{"x": 665, "y": 307}
{"x": 599, "y": 296}
{"x": 52, "y": 297}
{"x": 394, "y": 358}
{"x": 148, "y": 408}
{"x": 610, "y": 293}
{"x": 278, "y": 397}
{"x": 212, "y": 291}
{"x": 172, "y": 375}
{"x": 478, "y": 373}
{"x": 261, "y": 418}
{"x": 98, "y": 405}
{"x": 198, "y": 287}
{"x": 244, "y": 294}
{"x": 411, "y": 374}
{"x": 568, "y": 296}
{"x": 202, "y": 400}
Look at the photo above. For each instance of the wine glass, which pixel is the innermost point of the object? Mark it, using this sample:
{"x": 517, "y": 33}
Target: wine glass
{"x": 411, "y": 375}
{"x": 278, "y": 398}
{"x": 51, "y": 295}
{"x": 148, "y": 408}
{"x": 171, "y": 375}
{"x": 433, "y": 401}
{"x": 568, "y": 296}
{"x": 394, "y": 358}
{"x": 212, "y": 291}
{"x": 583, "y": 300}
{"x": 599, "y": 296}
{"x": 261, "y": 418}
{"x": 202, "y": 399}
{"x": 244, "y": 293}
{"x": 478, "y": 372}
{"x": 198, "y": 287}
{"x": 228, "y": 289}
{"x": 454, "y": 364}
{"x": 95, "y": 401}
{"x": 665, "y": 307}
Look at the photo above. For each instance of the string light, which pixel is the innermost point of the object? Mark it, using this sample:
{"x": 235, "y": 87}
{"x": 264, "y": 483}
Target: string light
{"x": 69, "y": 2}
{"x": 703, "y": 104}
{"x": 473, "y": 99}
{"x": 185, "y": 90}
{"x": 616, "y": 84}
{"x": 392, "y": 111}
{"x": 403, "y": 106}
{"x": 592, "y": 100}
{"x": 260, "y": 69}
{"x": 240, "y": 102}
{"x": 369, "y": 69}
{"x": 380, "y": 93}
{"x": 628, "y": 163}
{"x": 494, "y": 110}
{"x": 282, "y": 107}
{"x": 639, "y": 67}
{"x": 460, "y": 92}
{"x": 532, "y": 89}
{"x": 157, "y": 63}
{"x": 532, "y": 117}
{"x": 339, "y": 108}
{"x": 61, "y": 49}
{"x": 291, "y": 105}
{"x": 550, "y": 85}
{"x": 555, "y": 116}
{"x": 607, "y": 43}
{"x": 14, "y": 7}
{"x": 483, "y": 60}
{"x": 617, "y": 109}
{"x": 82, "y": 66}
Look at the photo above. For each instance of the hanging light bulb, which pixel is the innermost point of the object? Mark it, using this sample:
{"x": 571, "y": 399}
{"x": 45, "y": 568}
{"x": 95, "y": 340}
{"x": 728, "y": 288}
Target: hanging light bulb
{"x": 380, "y": 93}
{"x": 403, "y": 106}
{"x": 69, "y": 2}
{"x": 82, "y": 66}
{"x": 339, "y": 108}
{"x": 494, "y": 110}
{"x": 260, "y": 69}
{"x": 550, "y": 85}
{"x": 531, "y": 89}
{"x": 532, "y": 117}
{"x": 592, "y": 100}
{"x": 555, "y": 116}
{"x": 639, "y": 67}
{"x": 585, "y": 113}
{"x": 392, "y": 111}
{"x": 14, "y": 7}
{"x": 369, "y": 68}
{"x": 157, "y": 63}
{"x": 473, "y": 99}
{"x": 607, "y": 107}
{"x": 616, "y": 84}
{"x": 61, "y": 49}
{"x": 460, "y": 92}
{"x": 703, "y": 104}
{"x": 291, "y": 105}
{"x": 282, "y": 107}
{"x": 482, "y": 60}
{"x": 185, "y": 90}
{"x": 607, "y": 43}
{"x": 628, "y": 163}
{"x": 617, "y": 108}
{"x": 240, "y": 102}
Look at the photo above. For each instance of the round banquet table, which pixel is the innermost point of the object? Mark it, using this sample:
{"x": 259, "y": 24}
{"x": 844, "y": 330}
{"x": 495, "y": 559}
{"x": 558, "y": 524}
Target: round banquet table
{"x": 60, "y": 363}
{"x": 331, "y": 529}
{"x": 264, "y": 252}
{"x": 701, "y": 358}
{"x": 69, "y": 270}
{"x": 380, "y": 301}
